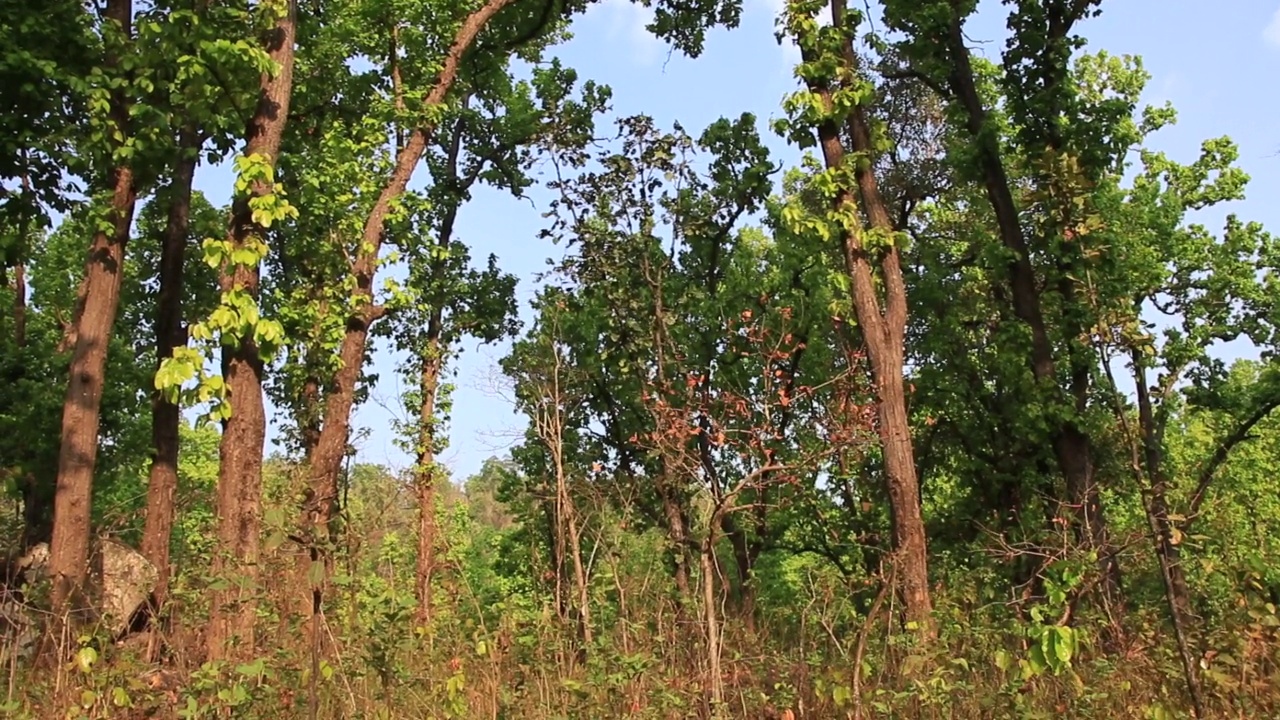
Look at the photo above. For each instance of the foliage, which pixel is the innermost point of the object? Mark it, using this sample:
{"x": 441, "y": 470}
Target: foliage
{"x": 696, "y": 521}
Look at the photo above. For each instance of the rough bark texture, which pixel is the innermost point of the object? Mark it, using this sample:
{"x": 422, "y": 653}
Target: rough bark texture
{"x": 884, "y": 333}
{"x": 331, "y": 445}
{"x": 239, "y": 496}
{"x": 90, "y": 334}
{"x": 165, "y": 416}
{"x": 68, "y": 562}
{"x": 426, "y": 473}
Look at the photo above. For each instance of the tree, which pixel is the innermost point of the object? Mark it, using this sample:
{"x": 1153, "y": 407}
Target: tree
{"x": 1035, "y": 69}
{"x": 184, "y": 291}
{"x": 258, "y": 202}
{"x": 445, "y": 300}
{"x": 90, "y": 330}
{"x": 197, "y": 117}
{"x": 859, "y": 220}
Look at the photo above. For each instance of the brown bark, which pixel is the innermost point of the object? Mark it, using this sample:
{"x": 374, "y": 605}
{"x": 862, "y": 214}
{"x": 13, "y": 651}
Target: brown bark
{"x": 1177, "y": 594}
{"x": 69, "y": 548}
{"x": 884, "y": 333}
{"x": 20, "y": 305}
{"x": 427, "y": 472}
{"x": 1072, "y": 446}
{"x": 432, "y": 363}
{"x": 239, "y": 496}
{"x": 331, "y": 447}
{"x": 165, "y": 416}
{"x": 331, "y": 442}
{"x": 711, "y": 625}
{"x": 97, "y": 303}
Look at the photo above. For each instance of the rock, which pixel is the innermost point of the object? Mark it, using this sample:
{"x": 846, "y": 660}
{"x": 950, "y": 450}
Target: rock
{"x": 127, "y": 580}
{"x": 19, "y": 621}
{"x": 36, "y": 560}
{"x": 18, "y": 631}
{"x": 120, "y": 584}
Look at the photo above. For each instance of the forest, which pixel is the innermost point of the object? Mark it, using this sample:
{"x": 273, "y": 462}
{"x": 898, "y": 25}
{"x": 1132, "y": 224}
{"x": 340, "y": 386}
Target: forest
{"x": 965, "y": 406}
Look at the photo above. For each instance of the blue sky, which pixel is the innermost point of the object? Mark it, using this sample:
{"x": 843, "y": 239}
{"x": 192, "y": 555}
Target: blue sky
{"x": 1217, "y": 67}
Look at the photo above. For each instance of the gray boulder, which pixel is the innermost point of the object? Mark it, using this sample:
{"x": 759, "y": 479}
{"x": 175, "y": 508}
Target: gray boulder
{"x": 121, "y": 581}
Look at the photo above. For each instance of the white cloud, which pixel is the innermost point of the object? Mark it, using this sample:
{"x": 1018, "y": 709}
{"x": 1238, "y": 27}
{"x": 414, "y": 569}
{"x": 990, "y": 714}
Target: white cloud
{"x": 624, "y": 22}
{"x": 774, "y": 7}
{"x": 1272, "y": 33}
{"x": 1165, "y": 89}
{"x": 770, "y": 11}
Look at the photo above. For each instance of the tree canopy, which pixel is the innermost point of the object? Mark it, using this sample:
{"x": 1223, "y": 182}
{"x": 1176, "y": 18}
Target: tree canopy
{"x": 947, "y": 389}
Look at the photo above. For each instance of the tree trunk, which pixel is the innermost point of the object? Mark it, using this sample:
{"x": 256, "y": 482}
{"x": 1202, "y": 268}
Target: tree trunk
{"x": 883, "y": 331}
{"x": 1072, "y": 446}
{"x": 1176, "y": 591}
{"x": 325, "y": 467}
{"x": 166, "y": 416}
{"x": 426, "y": 471}
{"x": 549, "y": 425}
{"x": 239, "y": 496}
{"x": 555, "y": 547}
{"x": 678, "y": 536}
{"x": 711, "y": 621}
{"x": 907, "y": 524}
{"x": 69, "y": 549}
{"x": 570, "y": 515}
{"x": 432, "y": 363}
{"x": 98, "y": 301}
{"x": 331, "y": 447}
{"x": 744, "y": 560}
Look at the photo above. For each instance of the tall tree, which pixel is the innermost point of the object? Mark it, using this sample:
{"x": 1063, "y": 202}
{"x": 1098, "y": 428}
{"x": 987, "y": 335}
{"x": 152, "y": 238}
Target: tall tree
{"x": 331, "y": 442}
{"x": 170, "y": 333}
{"x": 197, "y": 115}
{"x": 1036, "y": 63}
{"x": 258, "y": 202}
{"x": 182, "y": 290}
{"x": 491, "y": 140}
{"x": 90, "y": 332}
{"x": 860, "y": 222}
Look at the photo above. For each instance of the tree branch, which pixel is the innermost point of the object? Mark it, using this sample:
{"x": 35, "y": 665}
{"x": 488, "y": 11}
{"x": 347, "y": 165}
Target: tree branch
{"x": 1239, "y": 435}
